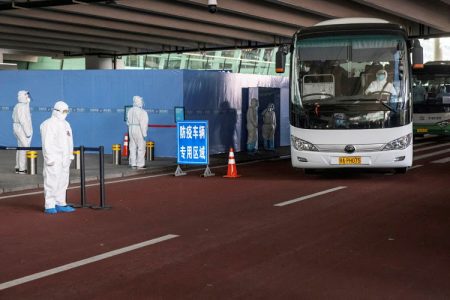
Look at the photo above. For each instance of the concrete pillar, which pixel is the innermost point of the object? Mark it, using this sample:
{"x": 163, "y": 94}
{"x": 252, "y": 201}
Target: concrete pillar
{"x": 437, "y": 49}
{"x": 120, "y": 65}
{"x": 1, "y": 57}
{"x": 94, "y": 62}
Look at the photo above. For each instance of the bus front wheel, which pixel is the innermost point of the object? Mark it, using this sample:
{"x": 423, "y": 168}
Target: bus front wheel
{"x": 309, "y": 171}
{"x": 401, "y": 170}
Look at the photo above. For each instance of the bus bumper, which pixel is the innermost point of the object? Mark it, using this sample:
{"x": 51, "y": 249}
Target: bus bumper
{"x": 331, "y": 160}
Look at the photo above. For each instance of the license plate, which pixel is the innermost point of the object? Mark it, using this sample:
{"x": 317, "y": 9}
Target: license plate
{"x": 422, "y": 130}
{"x": 350, "y": 160}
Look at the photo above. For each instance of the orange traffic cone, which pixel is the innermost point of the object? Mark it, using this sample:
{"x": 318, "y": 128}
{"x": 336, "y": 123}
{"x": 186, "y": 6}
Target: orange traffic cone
{"x": 125, "y": 145}
{"x": 232, "y": 171}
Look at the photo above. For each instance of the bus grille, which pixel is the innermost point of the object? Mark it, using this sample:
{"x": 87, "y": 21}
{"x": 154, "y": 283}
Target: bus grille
{"x": 358, "y": 148}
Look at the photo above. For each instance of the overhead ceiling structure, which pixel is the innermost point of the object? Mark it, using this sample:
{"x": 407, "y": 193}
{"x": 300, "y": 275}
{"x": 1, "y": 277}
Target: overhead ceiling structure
{"x": 120, "y": 27}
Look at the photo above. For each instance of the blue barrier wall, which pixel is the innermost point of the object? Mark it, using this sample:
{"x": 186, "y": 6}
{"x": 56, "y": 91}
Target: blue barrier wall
{"x": 97, "y": 99}
{"x": 217, "y": 97}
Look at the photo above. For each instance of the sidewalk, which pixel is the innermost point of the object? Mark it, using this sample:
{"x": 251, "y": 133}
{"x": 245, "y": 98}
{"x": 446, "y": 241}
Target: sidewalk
{"x": 11, "y": 182}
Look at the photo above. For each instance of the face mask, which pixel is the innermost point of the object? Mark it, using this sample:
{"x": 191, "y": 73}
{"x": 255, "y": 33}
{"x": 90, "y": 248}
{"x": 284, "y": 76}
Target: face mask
{"x": 380, "y": 77}
{"x": 61, "y": 115}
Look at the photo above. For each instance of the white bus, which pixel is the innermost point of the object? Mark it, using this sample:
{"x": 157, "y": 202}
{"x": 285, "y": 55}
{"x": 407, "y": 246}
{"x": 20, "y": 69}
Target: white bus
{"x": 431, "y": 97}
{"x": 342, "y": 112}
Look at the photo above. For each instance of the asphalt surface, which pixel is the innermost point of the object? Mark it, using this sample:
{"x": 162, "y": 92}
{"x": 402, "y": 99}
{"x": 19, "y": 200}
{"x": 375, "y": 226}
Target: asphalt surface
{"x": 11, "y": 182}
{"x": 274, "y": 233}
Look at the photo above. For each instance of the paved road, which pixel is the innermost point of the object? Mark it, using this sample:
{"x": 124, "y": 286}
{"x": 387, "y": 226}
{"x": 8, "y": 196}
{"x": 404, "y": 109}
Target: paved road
{"x": 274, "y": 233}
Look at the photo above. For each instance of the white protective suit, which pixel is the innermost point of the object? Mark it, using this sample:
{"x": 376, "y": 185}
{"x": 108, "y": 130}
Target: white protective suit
{"x": 269, "y": 126}
{"x": 22, "y": 127}
{"x": 380, "y": 83}
{"x": 137, "y": 121}
{"x": 252, "y": 126}
{"x": 57, "y": 148}
{"x": 419, "y": 93}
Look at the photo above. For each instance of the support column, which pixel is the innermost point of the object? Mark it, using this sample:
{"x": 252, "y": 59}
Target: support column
{"x": 94, "y": 62}
{"x": 437, "y": 49}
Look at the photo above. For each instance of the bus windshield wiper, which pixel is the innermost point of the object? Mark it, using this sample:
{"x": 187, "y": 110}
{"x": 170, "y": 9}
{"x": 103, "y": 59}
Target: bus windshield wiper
{"x": 387, "y": 106}
{"x": 318, "y": 96}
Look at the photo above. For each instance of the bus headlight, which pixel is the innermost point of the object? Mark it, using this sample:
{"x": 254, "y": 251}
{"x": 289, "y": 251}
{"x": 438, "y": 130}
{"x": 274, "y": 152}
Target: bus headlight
{"x": 444, "y": 123}
{"x": 302, "y": 145}
{"x": 399, "y": 144}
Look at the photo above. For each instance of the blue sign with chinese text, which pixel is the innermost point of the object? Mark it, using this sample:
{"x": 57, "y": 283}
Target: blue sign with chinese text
{"x": 192, "y": 142}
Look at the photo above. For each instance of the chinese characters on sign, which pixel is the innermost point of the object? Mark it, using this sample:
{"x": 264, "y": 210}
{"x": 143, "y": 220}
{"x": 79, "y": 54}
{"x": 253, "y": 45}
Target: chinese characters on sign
{"x": 192, "y": 137}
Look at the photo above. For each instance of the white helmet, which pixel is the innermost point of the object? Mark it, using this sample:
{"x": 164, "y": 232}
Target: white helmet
{"x": 60, "y": 110}
{"x": 23, "y": 97}
{"x": 138, "y": 101}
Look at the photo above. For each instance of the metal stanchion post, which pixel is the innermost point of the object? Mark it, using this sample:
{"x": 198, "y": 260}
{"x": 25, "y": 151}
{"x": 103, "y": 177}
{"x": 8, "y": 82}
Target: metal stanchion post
{"x": 76, "y": 164}
{"x": 116, "y": 155}
{"x": 83, "y": 177}
{"x": 83, "y": 199}
{"x": 32, "y": 162}
{"x": 102, "y": 180}
{"x": 150, "y": 151}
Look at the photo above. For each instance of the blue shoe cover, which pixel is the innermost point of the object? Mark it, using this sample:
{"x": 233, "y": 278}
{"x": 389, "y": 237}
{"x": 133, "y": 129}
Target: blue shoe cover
{"x": 50, "y": 211}
{"x": 64, "y": 208}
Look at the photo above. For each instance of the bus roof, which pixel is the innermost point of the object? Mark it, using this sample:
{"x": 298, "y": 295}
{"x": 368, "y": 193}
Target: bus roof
{"x": 341, "y": 21}
{"x": 351, "y": 26}
{"x": 433, "y": 69}
{"x": 438, "y": 63}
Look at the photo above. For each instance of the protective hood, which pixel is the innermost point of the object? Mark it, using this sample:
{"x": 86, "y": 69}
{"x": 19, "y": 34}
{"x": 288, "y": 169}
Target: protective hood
{"x": 60, "y": 110}
{"x": 381, "y": 76}
{"x": 138, "y": 101}
{"x": 254, "y": 102}
{"x": 23, "y": 97}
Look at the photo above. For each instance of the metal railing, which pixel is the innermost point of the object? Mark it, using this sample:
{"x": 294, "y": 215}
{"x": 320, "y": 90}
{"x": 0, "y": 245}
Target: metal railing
{"x": 83, "y": 196}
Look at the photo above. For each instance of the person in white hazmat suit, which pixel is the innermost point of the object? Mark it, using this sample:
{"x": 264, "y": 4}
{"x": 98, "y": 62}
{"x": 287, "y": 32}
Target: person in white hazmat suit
{"x": 381, "y": 85}
{"x": 137, "y": 121}
{"x": 252, "y": 126}
{"x": 269, "y": 126}
{"x": 23, "y": 129}
{"x": 57, "y": 149}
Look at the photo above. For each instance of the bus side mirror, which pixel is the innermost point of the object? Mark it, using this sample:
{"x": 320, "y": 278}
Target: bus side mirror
{"x": 280, "y": 59}
{"x": 417, "y": 55}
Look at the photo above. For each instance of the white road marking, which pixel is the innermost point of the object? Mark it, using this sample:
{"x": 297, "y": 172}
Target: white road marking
{"x": 441, "y": 161}
{"x": 114, "y": 181}
{"x": 86, "y": 261}
{"x": 310, "y": 196}
{"x": 423, "y": 144}
{"x": 432, "y": 147}
{"x": 20, "y": 195}
{"x": 431, "y": 154}
{"x": 90, "y": 185}
{"x": 127, "y": 179}
{"x": 285, "y": 156}
{"x": 415, "y": 167}
{"x": 425, "y": 137}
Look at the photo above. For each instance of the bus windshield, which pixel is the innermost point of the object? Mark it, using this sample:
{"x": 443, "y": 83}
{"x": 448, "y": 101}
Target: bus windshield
{"x": 431, "y": 89}
{"x": 350, "y": 82}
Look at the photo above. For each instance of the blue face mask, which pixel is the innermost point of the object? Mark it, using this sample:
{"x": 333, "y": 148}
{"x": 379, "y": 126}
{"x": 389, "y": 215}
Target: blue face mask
{"x": 380, "y": 77}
